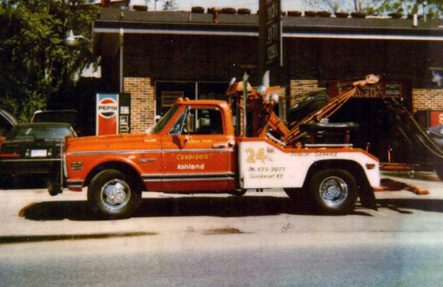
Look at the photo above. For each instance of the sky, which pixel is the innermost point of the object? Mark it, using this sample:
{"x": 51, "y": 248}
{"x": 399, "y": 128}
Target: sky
{"x": 251, "y": 4}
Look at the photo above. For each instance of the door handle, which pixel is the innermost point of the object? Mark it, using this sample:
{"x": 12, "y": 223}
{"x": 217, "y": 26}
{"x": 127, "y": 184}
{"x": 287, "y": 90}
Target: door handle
{"x": 220, "y": 145}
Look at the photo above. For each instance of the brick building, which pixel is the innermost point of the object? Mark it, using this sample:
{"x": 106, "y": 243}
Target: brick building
{"x": 159, "y": 56}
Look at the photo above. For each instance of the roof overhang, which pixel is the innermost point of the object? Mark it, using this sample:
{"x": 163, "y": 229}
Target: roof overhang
{"x": 307, "y": 35}
{"x": 114, "y": 22}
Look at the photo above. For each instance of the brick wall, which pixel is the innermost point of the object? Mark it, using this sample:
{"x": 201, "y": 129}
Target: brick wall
{"x": 427, "y": 99}
{"x": 299, "y": 89}
{"x": 142, "y": 102}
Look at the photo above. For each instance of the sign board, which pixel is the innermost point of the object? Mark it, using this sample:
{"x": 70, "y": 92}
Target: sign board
{"x": 436, "y": 118}
{"x": 383, "y": 89}
{"x": 124, "y": 121}
{"x": 270, "y": 36}
{"x": 107, "y": 114}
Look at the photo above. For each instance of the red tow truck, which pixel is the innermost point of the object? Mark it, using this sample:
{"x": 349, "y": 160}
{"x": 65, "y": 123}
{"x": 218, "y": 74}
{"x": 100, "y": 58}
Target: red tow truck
{"x": 211, "y": 146}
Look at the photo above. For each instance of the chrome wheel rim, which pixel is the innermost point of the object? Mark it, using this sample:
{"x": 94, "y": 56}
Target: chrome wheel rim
{"x": 115, "y": 194}
{"x": 333, "y": 191}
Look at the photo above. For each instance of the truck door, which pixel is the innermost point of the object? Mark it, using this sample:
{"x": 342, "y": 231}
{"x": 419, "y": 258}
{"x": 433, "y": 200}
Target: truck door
{"x": 197, "y": 152}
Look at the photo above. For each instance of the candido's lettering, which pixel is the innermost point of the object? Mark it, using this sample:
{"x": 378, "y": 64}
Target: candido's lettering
{"x": 199, "y": 156}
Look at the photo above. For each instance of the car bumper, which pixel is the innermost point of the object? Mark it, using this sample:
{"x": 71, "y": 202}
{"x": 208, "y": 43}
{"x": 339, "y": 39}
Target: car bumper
{"x": 29, "y": 166}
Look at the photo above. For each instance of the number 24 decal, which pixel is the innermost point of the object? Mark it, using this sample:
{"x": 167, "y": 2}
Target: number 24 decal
{"x": 255, "y": 155}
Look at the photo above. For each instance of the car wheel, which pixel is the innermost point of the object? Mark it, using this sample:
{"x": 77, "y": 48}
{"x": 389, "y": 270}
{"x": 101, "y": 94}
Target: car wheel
{"x": 54, "y": 188}
{"x": 334, "y": 191}
{"x": 112, "y": 195}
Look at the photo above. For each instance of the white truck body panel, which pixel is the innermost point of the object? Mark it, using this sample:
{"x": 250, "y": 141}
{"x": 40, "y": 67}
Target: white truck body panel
{"x": 262, "y": 165}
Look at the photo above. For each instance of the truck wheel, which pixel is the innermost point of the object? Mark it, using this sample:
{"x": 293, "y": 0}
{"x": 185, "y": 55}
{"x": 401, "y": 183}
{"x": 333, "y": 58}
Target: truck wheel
{"x": 238, "y": 193}
{"x": 112, "y": 195}
{"x": 334, "y": 191}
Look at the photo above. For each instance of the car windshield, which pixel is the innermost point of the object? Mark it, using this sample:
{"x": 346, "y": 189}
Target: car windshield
{"x": 40, "y": 132}
{"x": 164, "y": 120}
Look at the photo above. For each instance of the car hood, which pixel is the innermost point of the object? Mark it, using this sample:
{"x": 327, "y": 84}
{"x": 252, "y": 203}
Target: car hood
{"x": 113, "y": 142}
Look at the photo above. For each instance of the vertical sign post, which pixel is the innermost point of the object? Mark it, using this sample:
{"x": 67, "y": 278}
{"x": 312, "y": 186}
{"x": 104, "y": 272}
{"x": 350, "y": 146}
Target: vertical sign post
{"x": 270, "y": 40}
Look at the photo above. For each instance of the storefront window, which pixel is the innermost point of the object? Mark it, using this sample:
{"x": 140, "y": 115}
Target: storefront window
{"x": 168, "y": 92}
{"x": 212, "y": 91}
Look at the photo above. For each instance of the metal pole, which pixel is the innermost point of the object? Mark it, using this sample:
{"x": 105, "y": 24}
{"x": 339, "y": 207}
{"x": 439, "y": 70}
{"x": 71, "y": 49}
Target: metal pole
{"x": 245, "y": 96}
{"x": 121, "y": 40}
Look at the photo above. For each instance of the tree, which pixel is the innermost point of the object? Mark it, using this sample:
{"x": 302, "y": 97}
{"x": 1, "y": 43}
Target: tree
{"x": 170, "y": 5}
{"x": 430, "y": 8}
{"x": 35, "y": 63}
{"x": 337, "y": 5}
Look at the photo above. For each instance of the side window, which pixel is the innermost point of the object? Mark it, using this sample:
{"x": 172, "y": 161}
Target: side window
{"x": 201, "y": 121}
{"x": 208, "y": 121}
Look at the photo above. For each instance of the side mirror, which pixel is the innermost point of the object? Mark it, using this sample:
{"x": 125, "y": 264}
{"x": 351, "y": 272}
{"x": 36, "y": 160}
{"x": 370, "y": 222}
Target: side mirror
{"x": 180, "y": 140}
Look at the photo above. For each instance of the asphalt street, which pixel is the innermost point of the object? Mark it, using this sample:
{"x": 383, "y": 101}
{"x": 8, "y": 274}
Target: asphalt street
{"x": 256, "y": 240}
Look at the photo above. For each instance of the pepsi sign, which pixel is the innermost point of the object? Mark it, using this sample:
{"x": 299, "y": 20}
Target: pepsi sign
{"x": 107, "y": 108}
{"x": 107, "y": 114}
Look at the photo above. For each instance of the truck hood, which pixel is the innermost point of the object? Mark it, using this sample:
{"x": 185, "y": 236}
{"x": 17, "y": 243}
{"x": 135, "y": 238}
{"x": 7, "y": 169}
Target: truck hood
{"x": 113, "y": 142}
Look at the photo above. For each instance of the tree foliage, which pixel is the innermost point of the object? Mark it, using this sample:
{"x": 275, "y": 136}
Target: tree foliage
{"x": 430, "y": 8}
{"x": 35, "y": 63}
{"x": 170, "y": 5}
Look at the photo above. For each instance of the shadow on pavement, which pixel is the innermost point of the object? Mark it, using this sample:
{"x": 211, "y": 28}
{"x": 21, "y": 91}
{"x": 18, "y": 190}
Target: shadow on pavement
{"x": 164, "y": 207}
{"x": 427, "y": 176}
{"x": 210, "y": 206}
{"x": 23, "y": 182}
{"x": 405, "y": 205}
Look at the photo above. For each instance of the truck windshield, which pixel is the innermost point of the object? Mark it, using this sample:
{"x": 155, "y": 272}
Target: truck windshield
{"x": 164, "y": 120}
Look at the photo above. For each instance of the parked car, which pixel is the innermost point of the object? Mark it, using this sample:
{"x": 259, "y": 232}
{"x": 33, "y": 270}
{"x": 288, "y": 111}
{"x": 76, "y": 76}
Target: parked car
{"x": 34, "y": 149}
{"x": 68, "y": 116}
{"x": 436, "y": 133}
{"x": 62, "y": 116}
{"x": 7, "y": 121}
